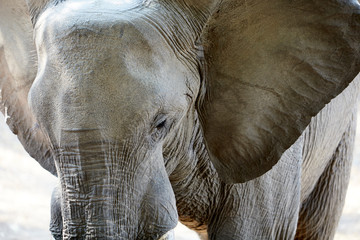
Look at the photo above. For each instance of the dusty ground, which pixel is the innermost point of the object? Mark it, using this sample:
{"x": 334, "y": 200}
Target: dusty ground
{"x": 25, "y": 190}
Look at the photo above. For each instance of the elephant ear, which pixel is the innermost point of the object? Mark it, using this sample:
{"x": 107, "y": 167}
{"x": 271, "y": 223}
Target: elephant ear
{"x": 18, "y": 67}
{"x": 271, "y": 67}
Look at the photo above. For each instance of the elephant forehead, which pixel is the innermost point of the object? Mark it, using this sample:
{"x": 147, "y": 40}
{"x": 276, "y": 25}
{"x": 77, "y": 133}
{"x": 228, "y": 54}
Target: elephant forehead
{"x": 126, "y": 67}
{"x": 111, "y": 37}
{"x": 79, "y": 31}
{"x": 106, "y": 40}
{"x": 80, "y": 11}
{"x": 117, "y": 20}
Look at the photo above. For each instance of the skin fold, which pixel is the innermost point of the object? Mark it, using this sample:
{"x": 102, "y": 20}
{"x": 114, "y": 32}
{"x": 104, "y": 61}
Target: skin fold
{"x": 235, "y": 117}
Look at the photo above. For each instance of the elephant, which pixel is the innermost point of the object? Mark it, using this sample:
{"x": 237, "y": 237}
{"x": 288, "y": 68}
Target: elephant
{"x": 236, "y": 117}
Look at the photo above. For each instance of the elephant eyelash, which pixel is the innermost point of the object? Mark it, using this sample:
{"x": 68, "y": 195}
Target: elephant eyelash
{"x": 159, "y": 128}
{"x": 161, "y": 125}
{"x": 160, "y": 121}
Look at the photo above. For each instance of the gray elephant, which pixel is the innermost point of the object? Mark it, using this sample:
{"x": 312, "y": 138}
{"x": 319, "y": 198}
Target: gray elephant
{"x": 236, "y": 117}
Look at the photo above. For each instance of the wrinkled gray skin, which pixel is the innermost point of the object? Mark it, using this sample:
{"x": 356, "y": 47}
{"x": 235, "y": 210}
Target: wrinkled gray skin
{"x": 214, "y": 112}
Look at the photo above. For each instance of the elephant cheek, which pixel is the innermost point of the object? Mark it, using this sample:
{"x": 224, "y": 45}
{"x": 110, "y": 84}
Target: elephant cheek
{"x": 108, "y": 196}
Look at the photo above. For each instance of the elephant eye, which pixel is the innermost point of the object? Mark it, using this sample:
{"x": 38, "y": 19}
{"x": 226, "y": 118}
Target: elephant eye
{"x": 160, "y": 129}
{"x": 161, "y": 125}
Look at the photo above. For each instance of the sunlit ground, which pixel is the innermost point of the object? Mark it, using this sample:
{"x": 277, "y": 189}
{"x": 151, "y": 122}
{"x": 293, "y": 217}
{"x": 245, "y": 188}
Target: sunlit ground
{"x": 25, "y": 190}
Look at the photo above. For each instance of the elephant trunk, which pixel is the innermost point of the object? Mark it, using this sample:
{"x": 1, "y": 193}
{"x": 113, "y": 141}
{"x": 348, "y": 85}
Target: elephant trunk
{"x": 105, "y": 196}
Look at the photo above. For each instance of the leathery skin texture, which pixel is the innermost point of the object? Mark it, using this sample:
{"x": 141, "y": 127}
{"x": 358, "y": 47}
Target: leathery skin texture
{"x": 234, "y": 117}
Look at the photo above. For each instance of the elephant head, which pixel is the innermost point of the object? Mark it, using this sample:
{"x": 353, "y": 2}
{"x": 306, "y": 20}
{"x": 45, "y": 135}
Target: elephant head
{"x": 119, "y": 83}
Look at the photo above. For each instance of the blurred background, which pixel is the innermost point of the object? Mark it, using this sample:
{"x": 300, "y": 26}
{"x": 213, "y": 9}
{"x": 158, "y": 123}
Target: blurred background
{"x": 25, "y": 191}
